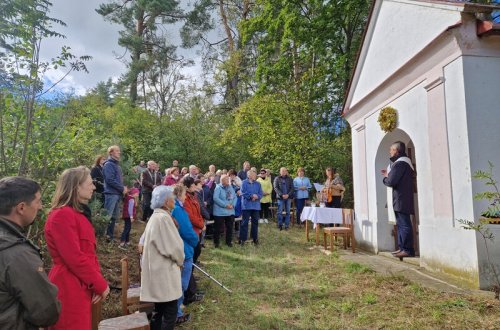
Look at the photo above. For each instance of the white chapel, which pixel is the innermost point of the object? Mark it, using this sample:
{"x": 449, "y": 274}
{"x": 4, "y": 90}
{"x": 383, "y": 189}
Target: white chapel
{"x": 438, "y": 64}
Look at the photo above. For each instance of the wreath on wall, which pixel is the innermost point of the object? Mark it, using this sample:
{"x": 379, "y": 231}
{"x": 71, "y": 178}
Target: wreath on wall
{"x": 388, "y": 119}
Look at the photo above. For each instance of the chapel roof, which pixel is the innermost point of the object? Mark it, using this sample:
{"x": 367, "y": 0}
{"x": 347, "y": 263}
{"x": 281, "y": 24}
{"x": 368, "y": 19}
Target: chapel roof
{"x": 484, "y": 27}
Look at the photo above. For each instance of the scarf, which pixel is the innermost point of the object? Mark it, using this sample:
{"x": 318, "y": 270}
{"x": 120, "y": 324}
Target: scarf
{"x": 87, "y": 212}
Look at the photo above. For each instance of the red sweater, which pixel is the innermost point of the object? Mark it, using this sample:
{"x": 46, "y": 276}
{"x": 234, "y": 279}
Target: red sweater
{"x": 192, "y": 208}
{"x": 169, "y": 181}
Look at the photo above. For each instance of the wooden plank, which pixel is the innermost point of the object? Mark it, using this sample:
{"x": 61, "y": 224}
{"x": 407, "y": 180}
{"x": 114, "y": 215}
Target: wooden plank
{"x": 136, "y": 321}
{"x": 96, "y": 315}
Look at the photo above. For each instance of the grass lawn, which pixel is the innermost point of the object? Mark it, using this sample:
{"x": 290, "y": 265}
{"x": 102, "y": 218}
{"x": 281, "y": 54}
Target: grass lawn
{"x": 285, "y": 284}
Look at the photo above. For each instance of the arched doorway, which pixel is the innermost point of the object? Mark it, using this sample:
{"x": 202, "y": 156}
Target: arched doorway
{"x": 386, "y": 238}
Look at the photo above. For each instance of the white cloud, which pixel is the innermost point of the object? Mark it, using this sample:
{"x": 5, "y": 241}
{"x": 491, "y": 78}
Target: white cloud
{"x": 67, "y": 85}
{"x": 87, "y": 33}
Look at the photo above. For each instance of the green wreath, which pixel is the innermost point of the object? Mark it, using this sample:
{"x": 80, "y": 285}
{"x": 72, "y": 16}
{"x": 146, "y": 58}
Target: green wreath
{"x": 388, "y": 119}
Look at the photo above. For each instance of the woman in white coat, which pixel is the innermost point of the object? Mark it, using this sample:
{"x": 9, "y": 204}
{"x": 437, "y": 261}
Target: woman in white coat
{"x": 163, "y": 258}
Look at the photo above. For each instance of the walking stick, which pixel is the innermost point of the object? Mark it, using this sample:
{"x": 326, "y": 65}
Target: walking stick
{"x": 213, "y": 279}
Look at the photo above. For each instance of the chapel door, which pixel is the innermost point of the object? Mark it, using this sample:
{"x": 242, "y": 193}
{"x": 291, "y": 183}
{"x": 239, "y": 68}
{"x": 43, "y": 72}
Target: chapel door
{"x": 415, "y": 219}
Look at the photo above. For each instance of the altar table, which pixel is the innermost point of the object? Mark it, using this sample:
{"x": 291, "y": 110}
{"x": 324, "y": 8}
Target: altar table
{"x": 320, "y": 215}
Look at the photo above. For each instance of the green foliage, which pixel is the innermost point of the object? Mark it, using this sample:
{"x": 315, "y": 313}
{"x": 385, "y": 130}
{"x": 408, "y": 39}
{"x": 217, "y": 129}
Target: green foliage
{"x": 275, "y": 131}
{"x": 306, "y": 47}
{"x": 493, "y": 196}
{"x": 100, "y": 219}
{"x": 25, "y": 25}
{"x": 481, "y": 227}
{"x": 142, "y": 37}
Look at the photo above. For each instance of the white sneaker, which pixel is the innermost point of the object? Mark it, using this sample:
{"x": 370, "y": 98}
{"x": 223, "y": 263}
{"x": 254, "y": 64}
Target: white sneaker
{"x": 266, "y": 221}
{"x": 261, "y": 220}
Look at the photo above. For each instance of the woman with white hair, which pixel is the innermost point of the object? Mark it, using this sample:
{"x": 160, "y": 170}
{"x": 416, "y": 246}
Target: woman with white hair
{"x": 163, "y": 257}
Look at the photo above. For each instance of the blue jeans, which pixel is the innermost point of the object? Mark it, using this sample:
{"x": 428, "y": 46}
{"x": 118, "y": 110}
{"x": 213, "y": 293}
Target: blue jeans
{"x": 185, "y": 276}
{"x": 126, "y": 230}
{"x": 299, "y": 204}
{"x": 255, "y": 216}
{"x": 112, "y": 206}
{"x": 284, "y": 206}
{"x": 405, "y": 232}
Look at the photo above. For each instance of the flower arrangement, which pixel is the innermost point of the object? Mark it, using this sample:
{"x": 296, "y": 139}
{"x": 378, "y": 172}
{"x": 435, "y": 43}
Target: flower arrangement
{"x": 388, "y": 119}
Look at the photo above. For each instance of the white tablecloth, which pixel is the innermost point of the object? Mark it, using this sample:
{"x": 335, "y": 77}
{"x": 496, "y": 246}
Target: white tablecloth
{"x": 321, "y": 215}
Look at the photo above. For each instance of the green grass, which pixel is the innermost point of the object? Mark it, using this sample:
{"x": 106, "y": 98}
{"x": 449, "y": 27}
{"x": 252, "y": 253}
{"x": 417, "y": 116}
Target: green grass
{"x": 285, "y": 284}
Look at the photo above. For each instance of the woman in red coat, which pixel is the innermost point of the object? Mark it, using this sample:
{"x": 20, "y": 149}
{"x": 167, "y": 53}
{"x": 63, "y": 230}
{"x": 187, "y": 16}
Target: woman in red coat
{"x": 72, "y": 245}
{"x": 192, "y": 207}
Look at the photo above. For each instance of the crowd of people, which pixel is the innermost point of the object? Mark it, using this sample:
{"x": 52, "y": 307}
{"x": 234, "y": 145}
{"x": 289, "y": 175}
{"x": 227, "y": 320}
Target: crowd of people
{"x": 176, "y": 208}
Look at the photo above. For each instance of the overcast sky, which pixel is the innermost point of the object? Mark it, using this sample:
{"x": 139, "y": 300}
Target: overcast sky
{"x": 87, "y": 33}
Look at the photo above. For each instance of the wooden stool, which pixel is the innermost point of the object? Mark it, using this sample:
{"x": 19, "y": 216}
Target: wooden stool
{"x": 136, "y": 321}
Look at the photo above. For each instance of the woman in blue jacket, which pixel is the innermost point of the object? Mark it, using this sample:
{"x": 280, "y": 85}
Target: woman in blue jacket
{"x": 190, "y": 239}
{"x": 251, "y": 192}
{"x": 225, "y": 199}
{"x": 302, "y": 185}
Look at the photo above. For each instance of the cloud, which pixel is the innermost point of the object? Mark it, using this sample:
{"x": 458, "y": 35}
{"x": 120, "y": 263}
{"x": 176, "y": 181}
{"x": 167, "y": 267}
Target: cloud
{"x": 87, "y": 33}
{"x": 67, "y": 85}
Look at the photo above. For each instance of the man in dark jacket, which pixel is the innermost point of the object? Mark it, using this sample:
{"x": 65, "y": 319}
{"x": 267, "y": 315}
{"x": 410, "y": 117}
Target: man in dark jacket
{"x": 242, "y": 174}
{"x": 27, "y": 299}
{"x": 98, "y": 178}
{"x": 283, "y": 186}
{"x": 113, "y": 188}
{"x": 150, "y": 179}
{"x": 400, "y": 179}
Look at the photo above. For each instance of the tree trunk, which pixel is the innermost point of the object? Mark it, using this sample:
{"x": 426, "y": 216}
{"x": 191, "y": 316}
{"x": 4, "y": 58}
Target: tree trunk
{"x": 2, "y": 139}
{"x": 136, "y": 56}
{"x": 296, "y": 68}
{"x": 231, "y": 96}
{"x": 23, "y": 165}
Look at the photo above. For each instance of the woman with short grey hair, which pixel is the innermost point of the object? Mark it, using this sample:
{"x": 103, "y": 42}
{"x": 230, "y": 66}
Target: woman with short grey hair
{"x": 163, "y": 258}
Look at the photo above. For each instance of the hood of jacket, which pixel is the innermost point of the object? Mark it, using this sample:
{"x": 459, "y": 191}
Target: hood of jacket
{"x": 112, "y": 160}
{"x": 11, "y": 234}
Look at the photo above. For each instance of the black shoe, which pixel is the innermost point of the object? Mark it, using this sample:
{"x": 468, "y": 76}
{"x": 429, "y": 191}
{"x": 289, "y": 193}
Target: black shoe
{"x": 217, "y": 245}
{"x": 182, "y": 319}
{"x": 240, "y": 242}
{"x": 286, "y": 228}
{"x": 229, "y": 244}
{"x": 256, "y": 241}
{"x": 280, "y": 227}
{"x": 195, "y": 298}
{"x": 403, "y": 254}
